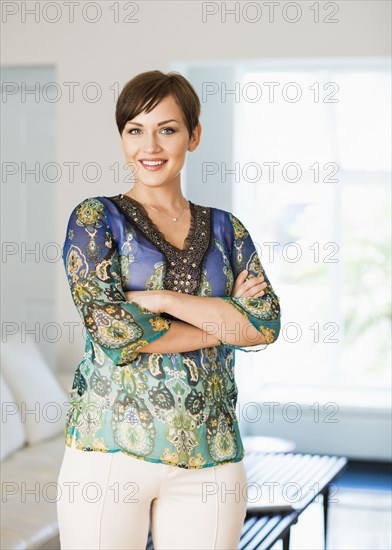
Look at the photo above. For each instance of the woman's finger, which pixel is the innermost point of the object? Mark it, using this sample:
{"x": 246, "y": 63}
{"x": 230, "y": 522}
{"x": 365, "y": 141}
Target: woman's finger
{"x": 250, "y": 283}
{"x": 259, "y": 294}
{"x": 241, "y": 277}
{"x": 254, "y": 292}
{"x": 255, "y": 289}
{"x": 239, "y": 281}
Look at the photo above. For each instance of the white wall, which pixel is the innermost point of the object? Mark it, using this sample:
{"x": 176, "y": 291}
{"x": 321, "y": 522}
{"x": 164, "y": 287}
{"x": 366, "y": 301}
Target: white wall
{"x": 166, "y": 32}
{"x": 28, "y": 272}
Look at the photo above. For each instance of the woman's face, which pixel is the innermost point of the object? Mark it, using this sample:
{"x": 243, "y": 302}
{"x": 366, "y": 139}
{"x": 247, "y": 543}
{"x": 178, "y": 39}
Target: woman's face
{"x": 160, "y": 135}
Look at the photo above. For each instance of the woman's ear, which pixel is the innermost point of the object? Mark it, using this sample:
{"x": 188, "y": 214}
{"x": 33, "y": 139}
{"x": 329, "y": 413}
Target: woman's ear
{"x": 195, "y": 138}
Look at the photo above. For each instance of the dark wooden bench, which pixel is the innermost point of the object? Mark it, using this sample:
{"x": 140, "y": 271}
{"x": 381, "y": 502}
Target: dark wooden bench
{"x": 305, "y": 477}
{"x": 308, "y": 475}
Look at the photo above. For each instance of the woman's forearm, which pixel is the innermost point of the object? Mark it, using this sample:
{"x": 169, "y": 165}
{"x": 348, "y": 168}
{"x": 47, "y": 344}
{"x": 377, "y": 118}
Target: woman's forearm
{"x": 214, "y": 316}
{"x": 181, "y": 337}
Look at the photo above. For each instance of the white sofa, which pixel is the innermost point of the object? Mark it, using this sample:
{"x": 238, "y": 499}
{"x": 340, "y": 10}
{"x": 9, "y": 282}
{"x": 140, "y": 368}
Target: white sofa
{"x": 32, "y": 446}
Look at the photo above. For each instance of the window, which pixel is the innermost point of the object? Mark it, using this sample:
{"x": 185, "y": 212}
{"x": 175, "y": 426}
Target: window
{"x": 326, "y": 206}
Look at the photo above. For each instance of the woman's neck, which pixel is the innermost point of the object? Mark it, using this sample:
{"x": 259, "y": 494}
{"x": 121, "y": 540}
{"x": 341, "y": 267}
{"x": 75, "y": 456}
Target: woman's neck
{"x": 163, "y": 199}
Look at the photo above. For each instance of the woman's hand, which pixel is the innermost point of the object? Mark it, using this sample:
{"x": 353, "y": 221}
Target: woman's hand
{"x": 152, "y": 300}
{"x": 253, "y": 287}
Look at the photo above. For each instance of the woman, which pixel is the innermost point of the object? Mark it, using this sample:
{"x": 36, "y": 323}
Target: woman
{"x": 167, "y": 290}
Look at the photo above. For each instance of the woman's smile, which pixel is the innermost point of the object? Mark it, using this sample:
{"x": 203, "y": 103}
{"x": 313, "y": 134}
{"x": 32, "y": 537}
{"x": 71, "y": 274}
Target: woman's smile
{"x": 152, "y": 165}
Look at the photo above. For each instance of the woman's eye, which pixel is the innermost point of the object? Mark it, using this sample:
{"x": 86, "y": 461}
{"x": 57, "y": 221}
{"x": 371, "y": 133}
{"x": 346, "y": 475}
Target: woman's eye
{"x": 132, "y": 130}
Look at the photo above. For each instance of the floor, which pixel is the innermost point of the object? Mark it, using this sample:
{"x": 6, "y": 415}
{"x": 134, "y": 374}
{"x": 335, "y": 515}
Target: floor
{"x": 359, "y": 513}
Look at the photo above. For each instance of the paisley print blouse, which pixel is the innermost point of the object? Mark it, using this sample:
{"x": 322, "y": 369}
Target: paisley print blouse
{"x": 174, "y": 408}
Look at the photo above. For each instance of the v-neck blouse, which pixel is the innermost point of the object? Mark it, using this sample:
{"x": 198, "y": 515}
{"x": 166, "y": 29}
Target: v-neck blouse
{"x": 183, "y": 271}
{"x": 138, "y": 213}
{"x": 170, "y": 408}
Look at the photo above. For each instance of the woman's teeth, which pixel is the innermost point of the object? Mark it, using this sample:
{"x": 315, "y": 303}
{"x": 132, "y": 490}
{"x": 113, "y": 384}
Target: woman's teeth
{"x": 152, "y": 163}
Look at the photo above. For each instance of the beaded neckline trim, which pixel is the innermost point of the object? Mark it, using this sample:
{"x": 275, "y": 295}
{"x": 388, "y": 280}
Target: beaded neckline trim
{"x": 183, "y": 272}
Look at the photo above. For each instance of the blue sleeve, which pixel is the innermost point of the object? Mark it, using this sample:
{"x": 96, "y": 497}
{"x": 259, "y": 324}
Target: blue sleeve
{"x": 262, "y": 312}
{"x": 92, "y": 266}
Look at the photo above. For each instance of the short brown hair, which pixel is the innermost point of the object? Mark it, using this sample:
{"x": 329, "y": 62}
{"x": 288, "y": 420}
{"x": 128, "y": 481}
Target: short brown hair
{"x": 146, "y": 90}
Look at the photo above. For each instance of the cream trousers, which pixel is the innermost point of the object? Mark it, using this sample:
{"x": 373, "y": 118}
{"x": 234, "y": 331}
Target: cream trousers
{"x": 106, "y": 501}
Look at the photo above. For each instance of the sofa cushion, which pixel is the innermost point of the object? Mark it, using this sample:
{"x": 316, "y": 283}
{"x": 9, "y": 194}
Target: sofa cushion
{"x": 42, "y": 401}
{"x": 29, "y": 494}
{"x": 13, "y": 435}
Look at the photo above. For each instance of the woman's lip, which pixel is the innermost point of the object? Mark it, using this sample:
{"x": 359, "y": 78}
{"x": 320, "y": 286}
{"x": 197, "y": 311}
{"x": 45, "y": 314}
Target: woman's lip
{"x": 153, "y": 168}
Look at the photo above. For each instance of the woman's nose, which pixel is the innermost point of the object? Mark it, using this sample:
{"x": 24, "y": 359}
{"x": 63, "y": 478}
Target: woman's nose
{"x": 151, "y": 142}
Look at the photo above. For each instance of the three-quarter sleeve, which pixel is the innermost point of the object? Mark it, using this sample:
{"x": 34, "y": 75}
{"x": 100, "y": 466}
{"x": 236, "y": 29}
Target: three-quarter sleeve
{"x": 262, "y": 312}
{"x": 92, "y": 265}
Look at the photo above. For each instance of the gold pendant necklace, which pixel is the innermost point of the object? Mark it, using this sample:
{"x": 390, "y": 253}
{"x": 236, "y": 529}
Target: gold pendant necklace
{"x": 174, "y": 219}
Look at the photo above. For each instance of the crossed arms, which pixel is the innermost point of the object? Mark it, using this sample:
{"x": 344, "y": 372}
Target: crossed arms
{"x": 203, "y": 321}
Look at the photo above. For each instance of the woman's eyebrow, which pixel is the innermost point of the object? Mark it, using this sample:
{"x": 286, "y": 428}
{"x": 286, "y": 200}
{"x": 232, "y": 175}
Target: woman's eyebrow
{"x": 159, "y": 123}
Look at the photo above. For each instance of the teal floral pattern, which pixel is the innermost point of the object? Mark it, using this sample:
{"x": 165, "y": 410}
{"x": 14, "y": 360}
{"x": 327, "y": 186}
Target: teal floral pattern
{"x": 93, "y": 269}
{"x": 262, "y": 312}
{"x": 178, "y": 408}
